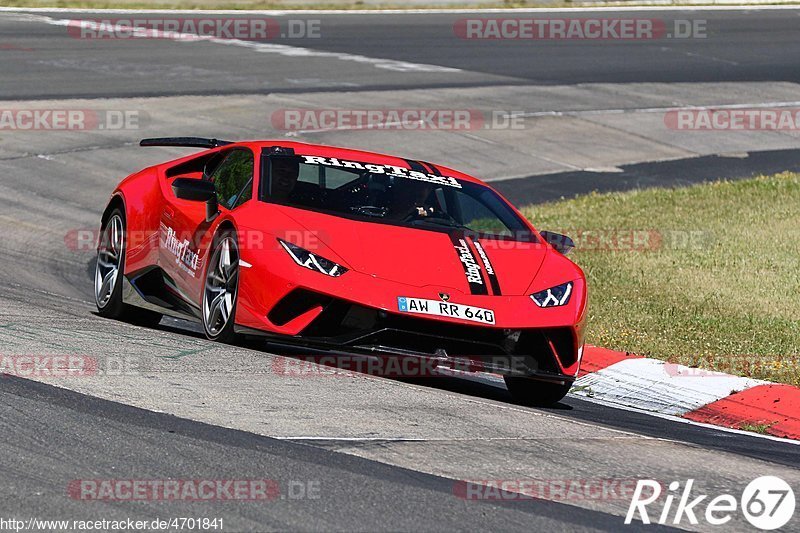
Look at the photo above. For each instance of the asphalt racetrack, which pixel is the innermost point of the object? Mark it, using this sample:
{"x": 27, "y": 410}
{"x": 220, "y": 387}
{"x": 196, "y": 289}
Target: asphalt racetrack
{"x": 352, "y": 452}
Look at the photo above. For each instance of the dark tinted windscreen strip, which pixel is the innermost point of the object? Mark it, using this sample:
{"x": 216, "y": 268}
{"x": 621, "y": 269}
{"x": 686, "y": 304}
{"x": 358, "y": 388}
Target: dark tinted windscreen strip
{"x": 416, "y": 166}
{"x": 435, "y": 171}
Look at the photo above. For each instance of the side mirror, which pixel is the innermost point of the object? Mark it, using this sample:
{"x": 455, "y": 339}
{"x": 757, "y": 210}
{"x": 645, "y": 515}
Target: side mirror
{"x": 198, "y": 191}
{"x": 193, "y": 190}
{"x": 561, "y": 243}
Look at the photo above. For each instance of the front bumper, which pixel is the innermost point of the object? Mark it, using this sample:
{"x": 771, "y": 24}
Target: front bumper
{"x": 347, "y": 328}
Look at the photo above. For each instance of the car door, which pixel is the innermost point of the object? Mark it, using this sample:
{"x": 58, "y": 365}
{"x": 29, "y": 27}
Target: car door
{"x": 188, "y": 233}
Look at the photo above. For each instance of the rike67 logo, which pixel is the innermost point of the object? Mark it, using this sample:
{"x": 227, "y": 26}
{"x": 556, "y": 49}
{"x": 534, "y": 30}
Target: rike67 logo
{"x": 767, "y": 503}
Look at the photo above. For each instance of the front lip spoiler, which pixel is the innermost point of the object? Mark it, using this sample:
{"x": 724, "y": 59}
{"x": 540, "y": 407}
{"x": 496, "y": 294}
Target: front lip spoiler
{"x": 486, "y": 364}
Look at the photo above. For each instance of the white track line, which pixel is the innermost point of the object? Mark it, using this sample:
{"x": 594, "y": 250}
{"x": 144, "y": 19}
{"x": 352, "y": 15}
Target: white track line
{"x": 743, "y": 5}
{"x": 575, "y": 113}
{"x": 619, "y": 111}
{"x": 268, "y": 48}
{"x": 631, "y": 436}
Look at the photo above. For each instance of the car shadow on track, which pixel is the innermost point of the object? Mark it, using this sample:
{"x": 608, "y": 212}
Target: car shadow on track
{"x": 478, "y": 385}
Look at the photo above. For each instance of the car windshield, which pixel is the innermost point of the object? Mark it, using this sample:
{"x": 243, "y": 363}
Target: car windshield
{"x": 390, "y": 195}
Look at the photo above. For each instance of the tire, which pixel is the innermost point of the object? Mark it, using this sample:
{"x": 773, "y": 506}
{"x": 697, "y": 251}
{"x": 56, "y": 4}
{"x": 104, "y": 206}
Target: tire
{"x": 109, "y": 270}
{"x": 110, "y": 267}
{"x": 221, "y": 288}
{"x": 528, "y": 391}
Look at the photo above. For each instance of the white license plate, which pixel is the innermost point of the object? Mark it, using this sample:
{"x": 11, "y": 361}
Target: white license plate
{"x": 436, "y": 308}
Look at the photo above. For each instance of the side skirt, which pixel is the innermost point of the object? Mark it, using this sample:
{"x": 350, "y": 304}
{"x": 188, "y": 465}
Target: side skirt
{"x": 152, "y": 289}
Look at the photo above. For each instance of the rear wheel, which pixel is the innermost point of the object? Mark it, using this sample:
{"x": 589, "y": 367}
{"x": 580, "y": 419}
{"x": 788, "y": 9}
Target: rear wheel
{"x": 221, "y": 289}
{"x": 110, "y": 269}
{"x": 529, "y": 391}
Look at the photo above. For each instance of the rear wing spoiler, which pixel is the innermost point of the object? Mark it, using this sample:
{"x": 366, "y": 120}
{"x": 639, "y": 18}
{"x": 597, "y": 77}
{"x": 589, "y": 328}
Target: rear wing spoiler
{"x": 189, "y": 142}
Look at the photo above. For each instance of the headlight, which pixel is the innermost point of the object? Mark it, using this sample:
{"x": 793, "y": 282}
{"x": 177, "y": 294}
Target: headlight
{"x": 311, "y": 261}
{"x": 554, "y": 296}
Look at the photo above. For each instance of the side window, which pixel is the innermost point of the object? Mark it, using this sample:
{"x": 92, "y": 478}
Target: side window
{"x": 233, "y": 178}
{"x": 478, "y": 216}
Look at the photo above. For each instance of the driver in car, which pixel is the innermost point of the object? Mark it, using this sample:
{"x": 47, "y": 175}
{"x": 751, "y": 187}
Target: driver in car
{"x": 410, "y": 201}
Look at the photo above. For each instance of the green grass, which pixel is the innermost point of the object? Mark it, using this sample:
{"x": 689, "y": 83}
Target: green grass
{"x": 762, "y": 429}
{"x": 720, "y": 291}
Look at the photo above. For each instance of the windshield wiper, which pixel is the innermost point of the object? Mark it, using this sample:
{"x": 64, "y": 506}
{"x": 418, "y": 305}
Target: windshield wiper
{"x": 370, "y": 211}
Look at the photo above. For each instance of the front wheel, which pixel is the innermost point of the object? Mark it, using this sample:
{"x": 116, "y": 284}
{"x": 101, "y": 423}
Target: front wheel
{"x": 221, "y": 289}
{"x": 528, "y": 391}
{"x": 109, "y": 267}
{"x": 108, "y": 274}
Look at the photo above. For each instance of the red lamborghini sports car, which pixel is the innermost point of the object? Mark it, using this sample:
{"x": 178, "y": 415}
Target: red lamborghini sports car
{"x": 344, "y": 252}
